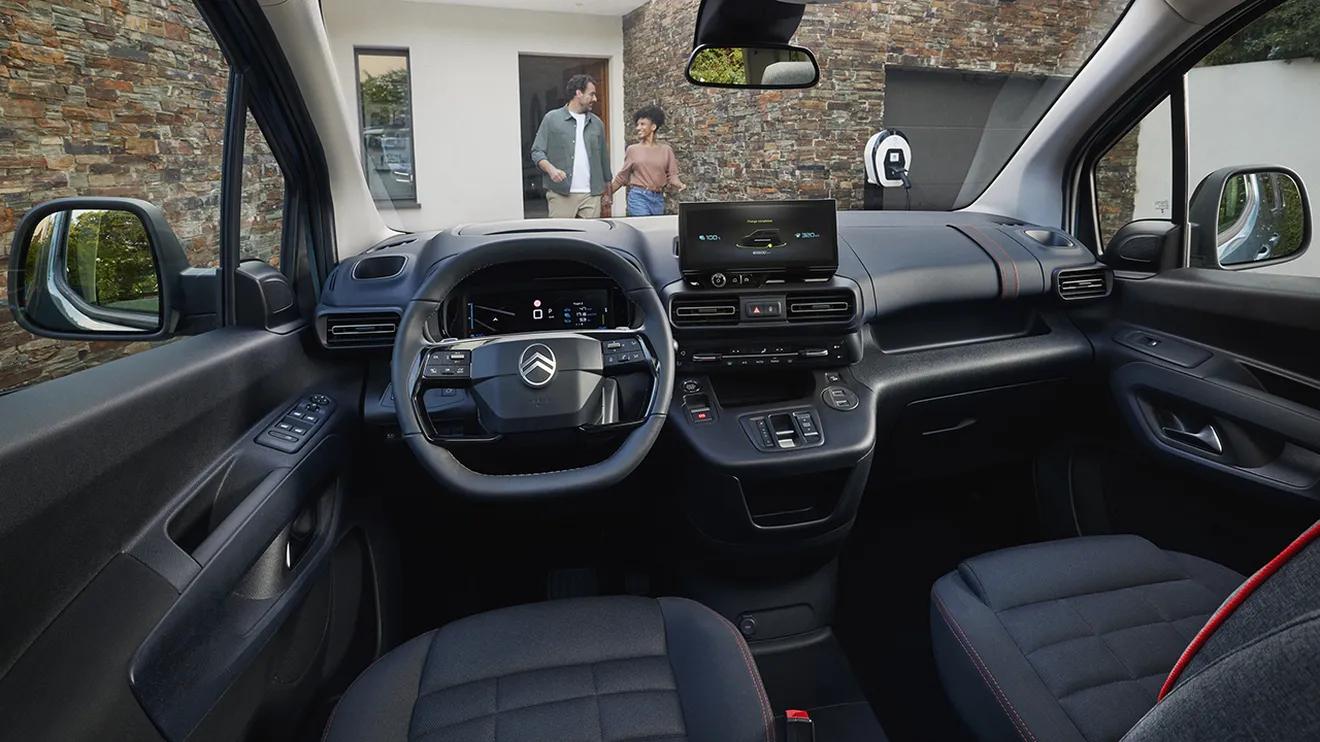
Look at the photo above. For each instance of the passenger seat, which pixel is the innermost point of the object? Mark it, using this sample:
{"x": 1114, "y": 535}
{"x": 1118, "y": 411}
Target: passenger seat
{"x": 1068, "y": 640}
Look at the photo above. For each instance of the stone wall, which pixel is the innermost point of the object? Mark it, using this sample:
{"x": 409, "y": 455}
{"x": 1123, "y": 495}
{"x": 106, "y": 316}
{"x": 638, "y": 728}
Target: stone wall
{"x": 115, "y": 98}
{"x": 737, "y": 145}
{"x": 1116, "y": 185}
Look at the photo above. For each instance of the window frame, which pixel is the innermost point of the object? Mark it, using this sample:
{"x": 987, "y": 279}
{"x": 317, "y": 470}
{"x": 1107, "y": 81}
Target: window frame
{"x": 1166, "y": 79}
{"x": 268, "y": 89}
{"x": 386, "y": 51}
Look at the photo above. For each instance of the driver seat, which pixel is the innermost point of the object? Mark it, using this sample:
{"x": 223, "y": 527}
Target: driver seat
{"x": 612, "y": 669}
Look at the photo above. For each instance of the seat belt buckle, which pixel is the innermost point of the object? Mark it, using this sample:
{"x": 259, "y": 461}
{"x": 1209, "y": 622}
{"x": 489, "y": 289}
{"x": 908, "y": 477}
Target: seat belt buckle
{"x": 798, "y": 726}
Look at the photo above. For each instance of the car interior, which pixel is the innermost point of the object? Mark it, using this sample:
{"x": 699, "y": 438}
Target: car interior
{"x": 760, "y": 470}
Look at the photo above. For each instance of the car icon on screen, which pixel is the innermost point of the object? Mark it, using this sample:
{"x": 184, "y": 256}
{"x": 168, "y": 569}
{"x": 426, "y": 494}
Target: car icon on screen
{"x": 762, "y": 238}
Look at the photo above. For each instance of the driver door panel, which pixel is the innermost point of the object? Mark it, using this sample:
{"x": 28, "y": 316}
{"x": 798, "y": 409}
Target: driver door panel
{"x": 168, "y": 577}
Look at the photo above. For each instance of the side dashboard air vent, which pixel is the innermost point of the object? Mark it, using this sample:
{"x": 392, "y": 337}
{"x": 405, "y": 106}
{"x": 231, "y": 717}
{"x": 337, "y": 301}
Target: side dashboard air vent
{"x": 1073, "y": 284}
{"x": 361, "y": 330}
{"x": 704, "y": 311}
{"x": 821, "y": 306}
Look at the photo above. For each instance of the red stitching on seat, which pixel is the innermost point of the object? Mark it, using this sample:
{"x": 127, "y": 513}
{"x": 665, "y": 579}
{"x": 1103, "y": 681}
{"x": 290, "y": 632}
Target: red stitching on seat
{"x": 767, "y": 714}
{"x": 1017, "y": 287}
{"x": 946, "y": 615}
{"x": 1233, "y": 603}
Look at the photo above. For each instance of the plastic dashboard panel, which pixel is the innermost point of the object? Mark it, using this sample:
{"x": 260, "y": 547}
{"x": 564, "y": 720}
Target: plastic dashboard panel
{"x": 898, "y": 260}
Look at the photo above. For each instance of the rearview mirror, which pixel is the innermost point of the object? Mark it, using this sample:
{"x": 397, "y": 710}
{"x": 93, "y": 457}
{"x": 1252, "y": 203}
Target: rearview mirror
{"x": 94, "y": 268}
{"x": 1246, "y": 216}
{"x": 769, "y": 67}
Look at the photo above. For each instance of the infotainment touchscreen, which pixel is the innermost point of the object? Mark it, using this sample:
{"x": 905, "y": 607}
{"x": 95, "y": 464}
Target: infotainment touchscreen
{"x": 763, "y": 237}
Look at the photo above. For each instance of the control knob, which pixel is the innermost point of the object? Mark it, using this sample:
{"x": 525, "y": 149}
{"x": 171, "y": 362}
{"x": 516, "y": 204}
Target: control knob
{"x": 719, "y": 280}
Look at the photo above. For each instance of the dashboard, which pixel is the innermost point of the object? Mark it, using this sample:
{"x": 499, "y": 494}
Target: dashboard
{"x": 806, "y": 347}
{"x": 891, "y": 324}
{"x": 891, "y": 263}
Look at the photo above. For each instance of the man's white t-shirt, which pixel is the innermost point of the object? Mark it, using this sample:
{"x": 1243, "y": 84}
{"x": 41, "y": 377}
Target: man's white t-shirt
{"x": 581, "y": 163}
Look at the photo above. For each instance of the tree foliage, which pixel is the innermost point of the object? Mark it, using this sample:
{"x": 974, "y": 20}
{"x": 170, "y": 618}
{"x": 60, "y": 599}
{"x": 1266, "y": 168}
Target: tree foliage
{"x": 720, "y": 65}
{"x": 109, "y": 258}
{"x": 385, "y": 97}
{"x": 1289, "y": 31}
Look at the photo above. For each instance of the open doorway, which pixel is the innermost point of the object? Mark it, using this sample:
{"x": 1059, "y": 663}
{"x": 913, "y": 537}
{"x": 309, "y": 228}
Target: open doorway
{"x": 541, "y": 88}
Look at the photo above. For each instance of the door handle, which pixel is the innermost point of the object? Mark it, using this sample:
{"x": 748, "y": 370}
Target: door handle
{"x": 1205, "y": 438}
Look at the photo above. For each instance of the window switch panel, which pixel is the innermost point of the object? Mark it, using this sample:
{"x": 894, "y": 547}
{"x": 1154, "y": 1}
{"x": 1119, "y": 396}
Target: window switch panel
{"x": 299, "y": 424}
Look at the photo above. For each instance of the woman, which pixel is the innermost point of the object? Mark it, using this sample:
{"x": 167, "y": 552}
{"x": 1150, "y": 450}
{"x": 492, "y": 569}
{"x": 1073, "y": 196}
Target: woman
{"x": 648, "y": 167}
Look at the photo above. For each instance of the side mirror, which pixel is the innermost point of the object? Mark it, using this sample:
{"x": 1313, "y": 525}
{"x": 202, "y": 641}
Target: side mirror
{"x": 764, "y": 67}
{"x": 95, "y": 268}
{"x": 1249, "y": 216}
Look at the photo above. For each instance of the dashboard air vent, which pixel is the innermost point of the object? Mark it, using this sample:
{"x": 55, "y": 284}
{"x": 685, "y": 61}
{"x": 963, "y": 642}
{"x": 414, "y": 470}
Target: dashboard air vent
{"x": 821, "y": 306}
{"x": 1073, "y": 284}
{"x": 361, "y": 330}
{"x": 704, "y": 311}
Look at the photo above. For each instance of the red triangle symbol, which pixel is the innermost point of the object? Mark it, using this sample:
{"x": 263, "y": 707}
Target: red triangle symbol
{"x": 756, "y": 310}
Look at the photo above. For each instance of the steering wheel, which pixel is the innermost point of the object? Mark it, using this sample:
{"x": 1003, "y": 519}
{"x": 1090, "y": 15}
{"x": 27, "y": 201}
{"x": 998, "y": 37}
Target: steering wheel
{"x": 532, "y": 382}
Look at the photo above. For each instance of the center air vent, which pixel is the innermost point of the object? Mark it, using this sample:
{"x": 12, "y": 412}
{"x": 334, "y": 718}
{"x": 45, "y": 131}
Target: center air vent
{"x": 704, "y": 311}
{"x": 1073, "y": 284}
{"x": 820, "y": 306}
{"x": 361, "y": 330}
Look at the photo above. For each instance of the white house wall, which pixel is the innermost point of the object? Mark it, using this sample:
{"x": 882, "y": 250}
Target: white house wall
{"x": 1238, "y": 114}
{"x": 465, "y": 98}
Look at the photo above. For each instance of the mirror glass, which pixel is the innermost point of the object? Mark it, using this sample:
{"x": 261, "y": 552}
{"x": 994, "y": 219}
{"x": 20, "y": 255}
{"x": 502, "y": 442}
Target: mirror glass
{"x": 753, "y": 67}
{"x": 92, "y": 270}
{"x": 1261, "y": 217}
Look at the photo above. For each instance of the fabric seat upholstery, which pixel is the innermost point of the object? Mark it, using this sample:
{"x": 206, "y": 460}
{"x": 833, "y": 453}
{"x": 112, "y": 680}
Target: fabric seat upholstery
{"x": 610, "y": 669}
{"x": 1068, "y": 640}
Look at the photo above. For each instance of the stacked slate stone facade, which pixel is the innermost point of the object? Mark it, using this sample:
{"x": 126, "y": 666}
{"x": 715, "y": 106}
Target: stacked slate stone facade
{"x": 117, "y": 98}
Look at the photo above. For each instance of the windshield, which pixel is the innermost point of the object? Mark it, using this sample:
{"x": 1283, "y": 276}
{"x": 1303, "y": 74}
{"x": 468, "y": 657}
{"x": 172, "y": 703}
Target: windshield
{"x": 580, "y": 108}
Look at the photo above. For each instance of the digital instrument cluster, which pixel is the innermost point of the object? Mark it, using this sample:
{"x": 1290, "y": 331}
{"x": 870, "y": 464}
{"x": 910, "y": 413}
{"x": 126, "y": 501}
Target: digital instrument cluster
{"x": 532, "y": 311}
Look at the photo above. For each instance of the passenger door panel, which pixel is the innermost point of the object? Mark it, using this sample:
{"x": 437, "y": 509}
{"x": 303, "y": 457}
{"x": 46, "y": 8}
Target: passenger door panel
{"x": 1206, "y": 370}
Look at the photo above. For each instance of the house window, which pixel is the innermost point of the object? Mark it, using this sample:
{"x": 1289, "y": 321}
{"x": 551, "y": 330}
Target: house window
{"x": 385, "y": 115}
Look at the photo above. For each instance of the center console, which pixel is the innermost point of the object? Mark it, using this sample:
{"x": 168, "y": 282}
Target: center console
{"x": 777, "y": 432}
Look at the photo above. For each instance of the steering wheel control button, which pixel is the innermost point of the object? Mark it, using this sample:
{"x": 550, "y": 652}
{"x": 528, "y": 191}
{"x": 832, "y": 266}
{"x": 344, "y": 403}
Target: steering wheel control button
{"x": 719, "y": 280}
{"x": 840, "y": 398}
{"x": 537, "y": 365}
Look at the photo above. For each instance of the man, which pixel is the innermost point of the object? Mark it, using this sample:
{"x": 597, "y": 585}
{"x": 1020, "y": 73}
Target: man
{"x": 571, "y": 150}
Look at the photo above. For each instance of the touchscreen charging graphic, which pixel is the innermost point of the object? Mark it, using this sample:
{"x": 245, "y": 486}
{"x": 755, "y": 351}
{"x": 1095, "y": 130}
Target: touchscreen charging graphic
{"x": 762, "y": 239}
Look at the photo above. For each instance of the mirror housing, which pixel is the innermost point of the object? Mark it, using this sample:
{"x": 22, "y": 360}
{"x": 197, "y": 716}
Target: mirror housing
{"x": 1144, "y": 245}
{"x": 1248, "y": 216}
{"x": 753, "y": 67}
{"x": 97, "y": 269}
